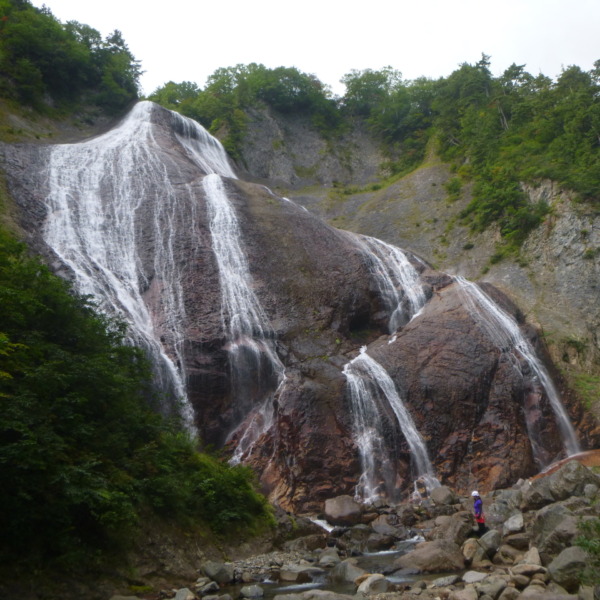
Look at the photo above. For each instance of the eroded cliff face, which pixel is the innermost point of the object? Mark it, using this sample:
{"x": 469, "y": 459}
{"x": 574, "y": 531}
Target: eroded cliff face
{"x": 555, "y": 281}
{"x": 475, "y": 409}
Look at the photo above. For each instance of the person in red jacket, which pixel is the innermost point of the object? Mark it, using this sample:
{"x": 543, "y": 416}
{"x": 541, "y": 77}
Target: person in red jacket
{"x": 478, "y": 512}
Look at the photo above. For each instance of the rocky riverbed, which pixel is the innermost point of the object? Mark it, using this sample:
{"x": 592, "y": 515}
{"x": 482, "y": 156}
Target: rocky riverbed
{"x": 426, "y": 549}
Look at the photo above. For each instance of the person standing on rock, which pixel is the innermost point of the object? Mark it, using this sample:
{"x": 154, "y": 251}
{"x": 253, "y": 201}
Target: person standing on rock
{"x": 478, "y": 511}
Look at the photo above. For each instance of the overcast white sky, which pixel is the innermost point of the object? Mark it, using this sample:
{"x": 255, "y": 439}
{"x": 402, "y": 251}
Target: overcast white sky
{"x": 187, "y": 40}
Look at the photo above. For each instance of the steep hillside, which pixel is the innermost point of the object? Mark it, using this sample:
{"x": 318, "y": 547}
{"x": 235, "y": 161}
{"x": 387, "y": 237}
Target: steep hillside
{"x": 555, "y": 277}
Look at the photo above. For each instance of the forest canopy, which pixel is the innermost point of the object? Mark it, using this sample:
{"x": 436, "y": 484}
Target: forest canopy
{"x": 497, "y": 131}
{"x": 43, "y": 60}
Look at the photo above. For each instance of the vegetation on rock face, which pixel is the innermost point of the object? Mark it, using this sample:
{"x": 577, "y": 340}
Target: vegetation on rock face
{"x": 230, "y": 90}
{"x": 43, "y": 60}
{"x": 499, "y": 132}
{"x": 82, "y": 455}
{"x": 590, "y": 542}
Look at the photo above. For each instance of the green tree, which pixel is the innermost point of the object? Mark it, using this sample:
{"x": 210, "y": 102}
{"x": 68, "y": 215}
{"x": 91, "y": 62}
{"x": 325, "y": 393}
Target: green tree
{"x": 81, "y": 451}
{"x": 367, "y": 90}
{"x": 41, "y": 57}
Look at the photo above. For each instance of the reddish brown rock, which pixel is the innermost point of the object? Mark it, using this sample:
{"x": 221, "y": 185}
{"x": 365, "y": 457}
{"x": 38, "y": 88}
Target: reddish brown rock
{"x": 473, "y": 409}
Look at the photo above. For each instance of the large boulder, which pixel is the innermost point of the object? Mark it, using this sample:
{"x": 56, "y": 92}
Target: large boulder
{"x": 490, "y": 542}
{"x": 346, "y": 572}
{"x": 433, "y": 557}
{"x": 536, "y": 494}
{"x": 567, "y": 567}
{"x": 218, "y": 571}
{"x": 554, "y": 529}
{"x": 455, "y": 528}
{"x": 443, "y": 495}
{"x": 473, "y": 551}
{"x": 389, "y": 525}
{"x": 571, "y": 479}
{"x": 299, "y": 573}
{"x": 343, "y": 510}
{"x": 513, "y": 525}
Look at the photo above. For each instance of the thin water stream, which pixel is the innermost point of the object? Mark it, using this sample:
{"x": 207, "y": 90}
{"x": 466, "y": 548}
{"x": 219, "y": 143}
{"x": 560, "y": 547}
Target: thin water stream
{"x": 505, "y": 333}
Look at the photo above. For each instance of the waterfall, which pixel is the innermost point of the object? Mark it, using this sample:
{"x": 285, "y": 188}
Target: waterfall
{"x": 250, "y": 338}
{"x": 372, "y": 391}
{"x": 257, "y": 374}
{"x": 397, "y": 280}
{"x": 97, "y": 188}
{"x": 504, "y": 332}
{"x": 112, "y": 196}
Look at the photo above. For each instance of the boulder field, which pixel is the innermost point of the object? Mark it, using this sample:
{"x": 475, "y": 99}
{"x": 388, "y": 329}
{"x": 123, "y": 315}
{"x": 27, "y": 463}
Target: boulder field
{"x": 529, "y": 549}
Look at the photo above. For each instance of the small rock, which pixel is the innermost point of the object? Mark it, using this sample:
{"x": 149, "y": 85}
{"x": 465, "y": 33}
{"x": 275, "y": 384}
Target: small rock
{"x": 586, "y": 592}
{"x": 469, "y": 593}
{"x": 213, "y": 586}
{"x": 531, "y": 591}
{"x": 527, "y": 569}
{"x": 520, "y": 541}
{"x": 507, "y": 555}
{"x": 374, "y": 584}
{"x": 445, "y": 581}
{"x": 492, "y": 587}
{"x": 590, "y": 490}
{"x": 513, "y": 525}
{"x": 473, "y": 576}
{"x": 346, "y": 571}
{"x": 509, "y": 593}
{"x": 252, "y": 591}
{"x": 329, "y": 558}
{"x": 185, "y": 594}
{"x": 532, "y": 557}
{"x": 520, "y": 581}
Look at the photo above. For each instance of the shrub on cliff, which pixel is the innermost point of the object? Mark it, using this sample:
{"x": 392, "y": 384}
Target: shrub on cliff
{"x": 590, "y": 542}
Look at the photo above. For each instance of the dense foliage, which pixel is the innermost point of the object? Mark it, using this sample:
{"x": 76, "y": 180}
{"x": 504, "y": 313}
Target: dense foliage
{"x": 230, "y": 91}
{"x": 42, "y": 59}
{"x": 590, "y": 542}
{"x": 498, "y": 132}
{"x": 82, "y": 456}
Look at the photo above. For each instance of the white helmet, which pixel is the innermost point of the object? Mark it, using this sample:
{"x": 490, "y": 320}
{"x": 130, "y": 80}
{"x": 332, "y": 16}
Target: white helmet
{"x": 474, "y": 493}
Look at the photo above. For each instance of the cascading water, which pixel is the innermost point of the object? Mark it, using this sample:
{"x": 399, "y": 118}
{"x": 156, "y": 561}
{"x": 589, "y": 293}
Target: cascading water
{"x": 96, "y": 189}
{"x": 504, "y": 331}
{"x": 257, "y": 373}
{"x": 397, "y": 280}
{"x": 100, "y": 191}
{"x": 372, "y": 391}
{"x": 250, "y": 338}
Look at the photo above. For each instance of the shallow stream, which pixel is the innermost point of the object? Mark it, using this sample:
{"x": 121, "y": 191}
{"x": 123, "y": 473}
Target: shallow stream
{"x": 371, "y": 562}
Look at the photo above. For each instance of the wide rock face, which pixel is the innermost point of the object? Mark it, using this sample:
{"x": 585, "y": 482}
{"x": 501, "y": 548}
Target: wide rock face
{"x": 480, "y": 412}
